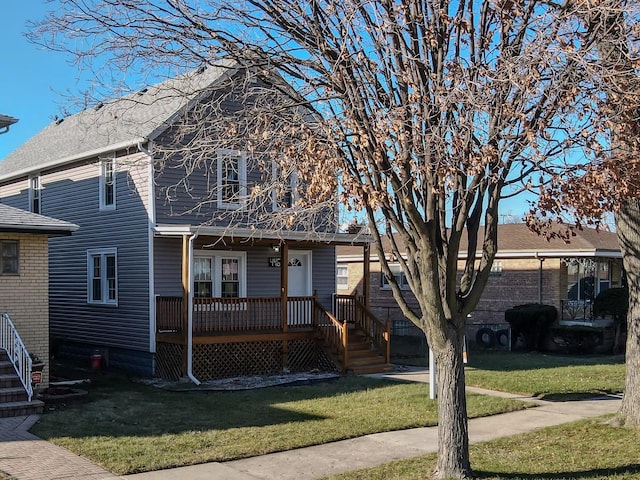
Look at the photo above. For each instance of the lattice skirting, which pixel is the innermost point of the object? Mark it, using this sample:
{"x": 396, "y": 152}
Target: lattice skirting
{"x": 168, "y": 361}
{"x": 257, "y": 358}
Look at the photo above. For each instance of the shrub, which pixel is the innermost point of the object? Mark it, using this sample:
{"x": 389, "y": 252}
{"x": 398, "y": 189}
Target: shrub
{"x": 529, "y": 324}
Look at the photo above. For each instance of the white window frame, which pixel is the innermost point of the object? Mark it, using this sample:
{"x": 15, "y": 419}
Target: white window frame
{"x": 242, "y": 178}
{"x": 293, "y": 187}
{"x": 344, "y": 276}
{"x": 104, "y": 299}
{"x": 401, "y": 279}
{"x": 103, "y": 183}
{"x": 35, "y": 194}
{"x": 216, "y": 274}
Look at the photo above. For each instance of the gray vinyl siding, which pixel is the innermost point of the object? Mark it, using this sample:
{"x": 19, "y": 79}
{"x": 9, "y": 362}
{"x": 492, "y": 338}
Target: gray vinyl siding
{"x": 324, "y": 274}
{"x": 72, "y": 194}
{"x": 262, "y": 280}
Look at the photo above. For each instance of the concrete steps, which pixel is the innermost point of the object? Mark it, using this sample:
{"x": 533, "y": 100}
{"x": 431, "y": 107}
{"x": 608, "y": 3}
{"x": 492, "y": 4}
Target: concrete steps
{"x": 13, "y": 397}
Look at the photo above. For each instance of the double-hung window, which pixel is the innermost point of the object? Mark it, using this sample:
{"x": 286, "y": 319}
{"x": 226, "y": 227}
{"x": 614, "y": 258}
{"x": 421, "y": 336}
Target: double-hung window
{"x": 108, "y": 184}
{"x": 102, "y": 276}
{"x": 342, "y": 276}
{"x": 285, "y": 185}
{"x": 232, "y": 178}
{"x": 219, "y": 274}
{"x": 35, "y": 194}
{"x": 10, "y": 255}
{"x": 398, "y": 274}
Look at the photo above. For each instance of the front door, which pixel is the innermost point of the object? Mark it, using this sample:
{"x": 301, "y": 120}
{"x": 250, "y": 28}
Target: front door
{"x": 299, "y": 285}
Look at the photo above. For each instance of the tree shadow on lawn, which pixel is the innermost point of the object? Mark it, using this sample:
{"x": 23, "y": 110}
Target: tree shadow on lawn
{"x": 620, "y": 471}
{"x": 117, "y": 407}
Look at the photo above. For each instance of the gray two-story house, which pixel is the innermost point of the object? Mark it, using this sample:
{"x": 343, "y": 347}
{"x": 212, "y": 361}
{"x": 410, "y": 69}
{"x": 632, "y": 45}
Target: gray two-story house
{"x": 171, "y": 273}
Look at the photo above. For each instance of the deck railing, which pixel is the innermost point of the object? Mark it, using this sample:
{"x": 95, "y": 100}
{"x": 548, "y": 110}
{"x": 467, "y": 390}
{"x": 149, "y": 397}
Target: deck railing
{"x": 11, "y": 342}
{"x": 233, "y": 315}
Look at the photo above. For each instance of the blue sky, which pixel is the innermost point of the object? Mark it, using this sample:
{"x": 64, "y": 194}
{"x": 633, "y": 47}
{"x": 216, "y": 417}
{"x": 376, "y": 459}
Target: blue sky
{"x": 32, "y": 78}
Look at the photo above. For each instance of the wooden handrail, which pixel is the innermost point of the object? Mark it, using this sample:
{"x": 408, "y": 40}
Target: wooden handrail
{"x": 334, "y": 333}
{"x": 377, "y": 331}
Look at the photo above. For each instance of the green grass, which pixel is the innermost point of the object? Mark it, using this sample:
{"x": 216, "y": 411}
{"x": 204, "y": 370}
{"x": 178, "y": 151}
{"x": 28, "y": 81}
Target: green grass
{"x": 129, "y": 427}
{"x": 588, "y": 449}
{"x": 553, "y": 377}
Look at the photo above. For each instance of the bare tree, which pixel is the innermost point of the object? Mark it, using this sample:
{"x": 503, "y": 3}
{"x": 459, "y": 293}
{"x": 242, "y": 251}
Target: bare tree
{"x": 421, "y": 114}
{"x": 611, "y": 181}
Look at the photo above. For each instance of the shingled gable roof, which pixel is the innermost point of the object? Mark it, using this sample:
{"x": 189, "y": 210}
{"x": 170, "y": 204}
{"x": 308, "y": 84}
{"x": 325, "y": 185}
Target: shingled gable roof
{"x": 14, "y": 220}
{"x": 516, "y": 240}
{"x": 121, "y": 123}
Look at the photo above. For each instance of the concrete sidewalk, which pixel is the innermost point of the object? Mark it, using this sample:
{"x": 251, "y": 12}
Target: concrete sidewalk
{"x": 371, "y": 450}
{"x": 26, "y": 457}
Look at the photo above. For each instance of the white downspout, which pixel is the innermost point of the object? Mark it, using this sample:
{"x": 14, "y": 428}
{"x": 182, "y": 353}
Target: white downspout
{"x": 190, "y": 313}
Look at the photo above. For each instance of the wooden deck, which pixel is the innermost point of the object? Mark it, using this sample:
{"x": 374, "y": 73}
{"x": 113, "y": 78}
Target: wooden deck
{"x": 239, "y": 336}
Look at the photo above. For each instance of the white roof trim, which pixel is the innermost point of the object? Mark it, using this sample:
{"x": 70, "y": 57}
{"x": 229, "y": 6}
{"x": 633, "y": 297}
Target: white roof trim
{"x": 74, "y": 158}
{"x": 259, "y": 234}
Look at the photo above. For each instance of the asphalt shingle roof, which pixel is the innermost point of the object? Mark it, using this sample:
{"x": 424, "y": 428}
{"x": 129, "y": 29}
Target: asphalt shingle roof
{"x": 123, "y": 122}
{"x": 516, "y": 237}
{"x": 16, "y": 220}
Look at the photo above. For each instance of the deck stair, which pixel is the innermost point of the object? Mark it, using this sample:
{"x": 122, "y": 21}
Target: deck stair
{"x": 362, "y": 356}
{"x": 13, "y": 397}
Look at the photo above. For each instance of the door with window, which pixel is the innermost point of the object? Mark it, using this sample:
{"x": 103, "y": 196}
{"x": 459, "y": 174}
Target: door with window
{"x": 299, "y": 285}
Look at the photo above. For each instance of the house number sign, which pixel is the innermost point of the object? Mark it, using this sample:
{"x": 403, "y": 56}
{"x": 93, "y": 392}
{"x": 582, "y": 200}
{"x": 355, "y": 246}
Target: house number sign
{"x": 274, "y": 261}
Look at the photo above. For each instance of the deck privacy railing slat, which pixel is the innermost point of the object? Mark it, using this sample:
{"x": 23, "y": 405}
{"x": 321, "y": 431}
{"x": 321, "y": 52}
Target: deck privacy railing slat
{"x": 11, "y": 342}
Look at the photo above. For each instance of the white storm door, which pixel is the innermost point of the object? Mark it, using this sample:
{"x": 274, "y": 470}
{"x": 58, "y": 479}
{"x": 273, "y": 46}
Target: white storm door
{"x": 299, "y": 285}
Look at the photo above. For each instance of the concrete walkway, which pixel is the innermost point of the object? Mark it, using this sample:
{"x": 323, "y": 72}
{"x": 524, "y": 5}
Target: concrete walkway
{"x": 19, "y": 458}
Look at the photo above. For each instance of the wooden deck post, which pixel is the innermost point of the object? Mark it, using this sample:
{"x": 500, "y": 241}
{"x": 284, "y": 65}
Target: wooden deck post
{"x": 185, "y": 300}
{"x": 366, "y": 280}
{"x": 284, "y": 299}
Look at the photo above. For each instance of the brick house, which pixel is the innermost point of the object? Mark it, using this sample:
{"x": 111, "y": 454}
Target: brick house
{"x": 24, "y": 275}
{"x": 527, "y": 269}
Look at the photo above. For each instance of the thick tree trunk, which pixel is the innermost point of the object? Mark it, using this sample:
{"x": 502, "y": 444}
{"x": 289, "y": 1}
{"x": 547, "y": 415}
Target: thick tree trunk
{"x": 453, "y": 433}
{"x": 628, "y": 226}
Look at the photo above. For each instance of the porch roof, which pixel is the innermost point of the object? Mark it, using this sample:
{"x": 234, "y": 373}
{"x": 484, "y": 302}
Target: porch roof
{"x": 262, "y": 236}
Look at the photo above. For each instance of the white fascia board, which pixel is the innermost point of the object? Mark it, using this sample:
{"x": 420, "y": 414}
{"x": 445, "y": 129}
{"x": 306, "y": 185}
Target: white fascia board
{"x": 258, "y": 234}
{"x": 73, "y": 158}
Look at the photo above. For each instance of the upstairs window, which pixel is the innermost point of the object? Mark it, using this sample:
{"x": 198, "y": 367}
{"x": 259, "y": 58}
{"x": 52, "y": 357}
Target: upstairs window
{"x": 285, "y": 185}
{"x": 9, "y": 258}
{"x": 102, "y": 277}
{"x": 232, "y": 178}
{"x": 108, "y": 184}
{"x": 398, "y": 274}
{"x": 35, "y": 194}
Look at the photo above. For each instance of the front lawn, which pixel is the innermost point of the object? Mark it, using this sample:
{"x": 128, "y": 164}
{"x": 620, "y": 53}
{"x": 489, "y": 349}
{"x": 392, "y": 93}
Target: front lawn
{"x": 546, "y": 376}
{"x": 585, "y": 450}
{"x": 128, "y": 427}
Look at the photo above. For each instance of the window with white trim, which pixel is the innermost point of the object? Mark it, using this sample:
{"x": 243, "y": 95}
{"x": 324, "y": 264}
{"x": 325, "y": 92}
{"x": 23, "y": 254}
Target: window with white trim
{"x": 398, "y": 274}
{"x": 108, "y": 184}
{"x": 232, "y": 178}
{"x": 285, "y": 188}
{"x": 102, "y": 276}
{"x": 9, "y": 258}
{"x": 219, "y": 274}
{"x": 35, "y": 194}
{"x": 342, "y": 277}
